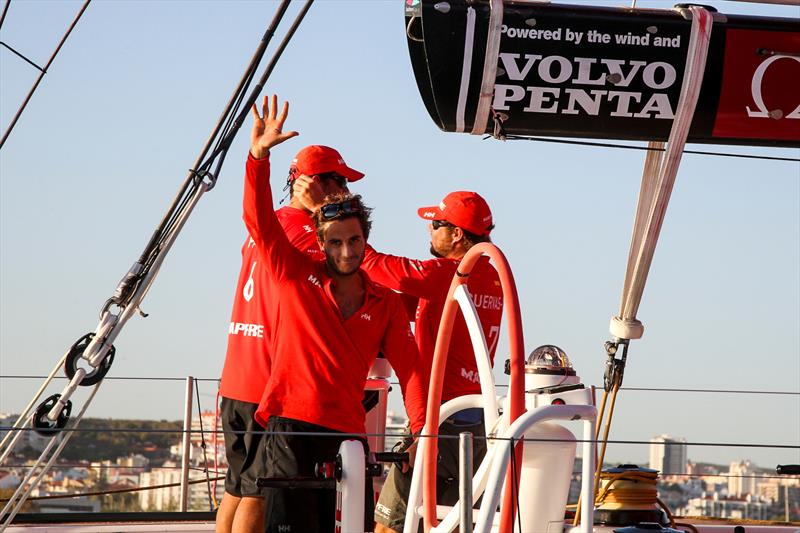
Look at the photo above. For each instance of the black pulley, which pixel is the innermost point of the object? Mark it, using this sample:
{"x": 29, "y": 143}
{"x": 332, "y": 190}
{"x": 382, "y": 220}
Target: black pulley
{"x": 43, "y": 425}
{"x": 76, "y": 352}
{"x": 787, "y": 470}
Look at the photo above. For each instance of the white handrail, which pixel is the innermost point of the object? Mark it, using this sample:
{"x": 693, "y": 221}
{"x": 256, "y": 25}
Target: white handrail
{"x": 501, "y": 455}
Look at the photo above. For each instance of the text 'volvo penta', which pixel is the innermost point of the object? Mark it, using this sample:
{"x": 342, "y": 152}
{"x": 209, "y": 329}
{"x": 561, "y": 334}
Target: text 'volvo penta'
{"x": 587, "y": 72}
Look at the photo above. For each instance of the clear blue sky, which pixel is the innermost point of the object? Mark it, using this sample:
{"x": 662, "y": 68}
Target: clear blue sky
{"x": 123, "y": 112}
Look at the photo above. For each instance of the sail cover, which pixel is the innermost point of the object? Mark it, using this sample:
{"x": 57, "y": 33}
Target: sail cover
{"x": 594, "y": 72}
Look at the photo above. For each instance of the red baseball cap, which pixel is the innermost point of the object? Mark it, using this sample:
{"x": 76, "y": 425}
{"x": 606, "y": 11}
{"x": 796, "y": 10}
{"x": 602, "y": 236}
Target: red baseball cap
{"x": 317, "y": 159}
{"x": 465, "y": 209}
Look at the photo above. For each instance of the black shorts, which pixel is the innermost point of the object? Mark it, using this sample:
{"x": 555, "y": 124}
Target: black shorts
{"x": 303, "y": 510}
{"x": 244, "y": 448}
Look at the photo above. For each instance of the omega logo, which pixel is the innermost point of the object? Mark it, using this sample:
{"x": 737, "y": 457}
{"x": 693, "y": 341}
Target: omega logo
{"x": 755, "y": 87}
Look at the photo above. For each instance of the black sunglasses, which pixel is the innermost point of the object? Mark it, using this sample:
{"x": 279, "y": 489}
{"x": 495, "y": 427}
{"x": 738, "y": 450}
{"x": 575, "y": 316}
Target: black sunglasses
{"x": 436, "y": 224}
{"x": 340, "y": 180}
{"x": 348, "y": 207}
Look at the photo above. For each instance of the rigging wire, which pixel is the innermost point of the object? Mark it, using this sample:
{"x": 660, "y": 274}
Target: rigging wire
{"x": 43, "y": 70}
{"x": 22, "y": 56}
{"x": 646, "y": 148}
{"x": 113, "y": 491}
{"x": 5, "y": 10}
{"x": 212, "y": 500}
{"x": 362, "y": 435}
{"x": 70, "y": 466}
{"x": 137, "y": 281}
{"x": 503, "y": 385}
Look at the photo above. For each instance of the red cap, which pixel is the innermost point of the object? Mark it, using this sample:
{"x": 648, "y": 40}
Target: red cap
{"x": 317, "y": 159}
{"x": 465, "y": 209}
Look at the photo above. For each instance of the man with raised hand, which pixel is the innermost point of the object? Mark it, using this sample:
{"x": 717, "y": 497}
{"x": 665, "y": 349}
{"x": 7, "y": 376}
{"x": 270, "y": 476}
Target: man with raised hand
{"x": 315, "y": 172}
{"x": 460, "y": 221}
{"x": 329, "y": 323}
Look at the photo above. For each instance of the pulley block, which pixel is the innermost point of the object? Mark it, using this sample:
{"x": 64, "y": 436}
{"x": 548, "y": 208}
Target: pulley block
{"x": 76, "y": 352}
{"x": 43, "y": 425}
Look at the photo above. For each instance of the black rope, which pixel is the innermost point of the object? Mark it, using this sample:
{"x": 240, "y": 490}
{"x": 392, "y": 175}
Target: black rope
{"x": 647, "y": 148}
{"x": 5, "y": 11}
{"x": 203, "y": 446}
{"x": 720, "y": 391}
{"x": 503, "y": 385}
{"x": 514, "y": 483}
{"x": 109, "y": 492}
{"x": 21, "y": 56}
{"x": 204, "y": 161}
{"x": 113, "y": 378}
{"x": 42, "y": 73}
{"x": 362, "y": 435}
{"x": 68, "y": 466}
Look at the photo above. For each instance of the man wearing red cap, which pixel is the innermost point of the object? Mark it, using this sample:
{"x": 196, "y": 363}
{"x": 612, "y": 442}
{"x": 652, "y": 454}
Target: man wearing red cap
{"x": 461, "y": 220}
{"x": 329, "y": 321}
{"x": 315, "y": 172}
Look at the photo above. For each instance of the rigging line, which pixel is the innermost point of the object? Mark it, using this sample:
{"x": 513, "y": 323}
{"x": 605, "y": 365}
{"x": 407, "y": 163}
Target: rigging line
{"x": 64, "y": 466}
{"x": 197, "y": 469}
{"x": 503, "y": 385}
{"x": 112, "y": 491}
{"x": 667, "y": 389}
{"x": 361, "y": 435}
{"x": 21, "y": 56}
{"x": 225, "y": 144}
{"x": 42, "y": 73}
{"x": 110, "y": 378}
{"x": 228, "y": 129}
{"x": 200, "y": 162}
{"x": 712, "y": 444}
{"x": 5, "y": 10}
{"x": 722, "y": 391}
{"x": 211, "y": 499}
{"x": 647, "y": 148}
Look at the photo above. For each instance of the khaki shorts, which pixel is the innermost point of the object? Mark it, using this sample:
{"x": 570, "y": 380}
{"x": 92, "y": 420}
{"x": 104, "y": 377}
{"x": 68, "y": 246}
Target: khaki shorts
{"x": 390, "y": 510}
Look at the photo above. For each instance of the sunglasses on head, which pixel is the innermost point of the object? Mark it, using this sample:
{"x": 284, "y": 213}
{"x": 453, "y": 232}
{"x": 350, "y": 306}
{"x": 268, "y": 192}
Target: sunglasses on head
{"x": 348, "y": 207}
{"x": 436, "y": 224}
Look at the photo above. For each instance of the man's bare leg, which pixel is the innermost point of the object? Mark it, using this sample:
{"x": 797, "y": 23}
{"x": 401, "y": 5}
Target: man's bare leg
{"x": 380, "y": 528}
{"x": 226, "y": 513}
{"x": 249, "y": 516}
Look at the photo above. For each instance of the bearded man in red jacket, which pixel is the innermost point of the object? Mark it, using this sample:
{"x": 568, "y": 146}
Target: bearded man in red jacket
{"x": 329, "y": 323}
{"x": 315, "y": 172}
{"x": 460, "y": 221}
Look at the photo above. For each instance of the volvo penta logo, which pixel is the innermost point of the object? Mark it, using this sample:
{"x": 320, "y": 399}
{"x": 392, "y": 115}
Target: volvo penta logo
{"x": 761, "y": 110}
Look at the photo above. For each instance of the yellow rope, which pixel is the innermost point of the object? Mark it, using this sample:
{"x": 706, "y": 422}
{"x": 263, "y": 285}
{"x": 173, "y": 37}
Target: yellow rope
{"x": 607, "y": 428}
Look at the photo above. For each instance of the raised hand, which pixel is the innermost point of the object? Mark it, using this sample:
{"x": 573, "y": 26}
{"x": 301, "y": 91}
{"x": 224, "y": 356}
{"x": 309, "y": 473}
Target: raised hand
{"x": 268, "y": 127}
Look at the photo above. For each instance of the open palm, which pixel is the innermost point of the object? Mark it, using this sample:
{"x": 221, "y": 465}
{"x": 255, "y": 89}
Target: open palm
{"x": 268, "y": 127}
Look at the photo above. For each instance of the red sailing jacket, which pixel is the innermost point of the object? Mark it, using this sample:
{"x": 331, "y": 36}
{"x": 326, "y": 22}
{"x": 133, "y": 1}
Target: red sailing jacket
{"x": 246, "y": 368}
{"x": 430, "y": 281}
{"x": 319, "y": 360}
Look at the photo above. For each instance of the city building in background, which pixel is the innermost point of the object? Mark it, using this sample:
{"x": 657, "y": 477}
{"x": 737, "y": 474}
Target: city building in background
{"x": 741, "y": 479}
{"x": 668, "y": 455}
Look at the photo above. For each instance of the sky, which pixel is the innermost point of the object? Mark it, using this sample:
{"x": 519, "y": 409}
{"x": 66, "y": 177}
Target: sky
{"x": 124, "y": 110}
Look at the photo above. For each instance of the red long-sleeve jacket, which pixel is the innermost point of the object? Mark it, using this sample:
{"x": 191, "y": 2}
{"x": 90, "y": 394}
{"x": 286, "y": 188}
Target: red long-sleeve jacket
{"x": 319, "y": 360}
{"x": 246, "y": 368}
{"x": 430, "y": 281}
